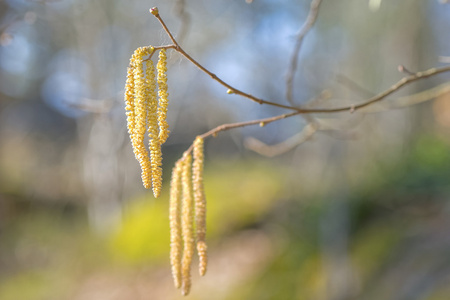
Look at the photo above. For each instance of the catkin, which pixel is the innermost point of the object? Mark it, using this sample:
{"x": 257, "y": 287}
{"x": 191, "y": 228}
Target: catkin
{"x": 152, "y": 121}
{"x": 200, "y": 203}
{"x": 187, "y": 223}
{"x": 145, "y": 113}
{"x": 176, "y": 246}
{"x": 163, "y": 97}
{"x": 140, "y": 114}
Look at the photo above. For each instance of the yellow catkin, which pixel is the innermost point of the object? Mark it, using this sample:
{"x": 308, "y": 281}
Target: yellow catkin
{"x": 200, "y": 204}
{"x": 176, "y": 246}
{"x": 140, "y": 114}
{"x": 153, "y": 132}
{"x": 163, "y": 97}
{"x": 187, "y": 224}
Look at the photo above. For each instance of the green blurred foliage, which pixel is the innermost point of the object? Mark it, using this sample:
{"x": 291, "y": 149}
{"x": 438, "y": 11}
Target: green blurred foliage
{"x": 234, "y": 200}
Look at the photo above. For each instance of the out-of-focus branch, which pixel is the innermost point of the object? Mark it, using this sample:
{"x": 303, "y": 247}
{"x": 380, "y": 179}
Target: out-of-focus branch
{"x": 403, "y": 69}
{"x": 444, "y": 59}
{"x": 185, "y": 19}
{"x": 309, "y": 23}
{"x": 351, "y": 84}
{"x": 283, "y": 147}
{"x": 411, "y": 100}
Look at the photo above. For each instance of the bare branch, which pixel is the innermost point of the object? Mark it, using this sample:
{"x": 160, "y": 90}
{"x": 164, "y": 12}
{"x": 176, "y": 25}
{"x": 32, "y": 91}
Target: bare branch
{"x": 411, "y": 100}
{"x": 404, "y": 81}
{"x": 344, "y": 80}
{"x": 309, "y": 23}
{"x": 297, "y": 111}
{"x": 261, "y": 122}
{"x": 231, "y": 89}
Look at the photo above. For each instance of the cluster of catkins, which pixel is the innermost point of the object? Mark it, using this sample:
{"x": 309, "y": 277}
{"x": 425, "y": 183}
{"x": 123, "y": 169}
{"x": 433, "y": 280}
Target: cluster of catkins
{"x": 187, "y": 211}
{"x": 146, "y": 112}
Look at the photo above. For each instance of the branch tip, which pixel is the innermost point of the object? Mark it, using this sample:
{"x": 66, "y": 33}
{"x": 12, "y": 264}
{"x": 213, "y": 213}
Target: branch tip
{"x": 154, "y": 11}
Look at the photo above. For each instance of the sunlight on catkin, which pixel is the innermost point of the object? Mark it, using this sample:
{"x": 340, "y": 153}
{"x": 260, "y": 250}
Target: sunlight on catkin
{"x": 163, "y": 96}
{"x": 176, "y": 246}
{"x": 187, "y": 223}
{"x": 200, "y": 203}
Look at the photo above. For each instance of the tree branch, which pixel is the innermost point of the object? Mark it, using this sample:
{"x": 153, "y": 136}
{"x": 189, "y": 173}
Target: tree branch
{"x": 309, "y": 23}
{"x": 297, "y": 111}
{"x": 231, "y": 89}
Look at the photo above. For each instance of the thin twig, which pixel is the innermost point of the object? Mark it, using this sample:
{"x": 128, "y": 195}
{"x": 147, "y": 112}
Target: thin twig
{"x": 411, "y": 100}
{"x": 351, "y": 109}
{"x": 309, "y": 23}
{"x": 261, "y": 122}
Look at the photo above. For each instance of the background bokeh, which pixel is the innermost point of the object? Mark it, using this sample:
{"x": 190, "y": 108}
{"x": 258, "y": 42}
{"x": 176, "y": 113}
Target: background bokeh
{"x": 359, "y": 211}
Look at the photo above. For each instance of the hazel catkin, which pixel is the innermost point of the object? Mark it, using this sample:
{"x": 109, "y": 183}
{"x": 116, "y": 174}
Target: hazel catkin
{"x": 200, "y": 203}
{"x": 176, "y": 246}
{"x": 187, "y": 223}
{"x": 145, "y": 114}
{"x": 140, "y": 114}
{"x": 152, "y": 121}
{"x": 163, "y": 96}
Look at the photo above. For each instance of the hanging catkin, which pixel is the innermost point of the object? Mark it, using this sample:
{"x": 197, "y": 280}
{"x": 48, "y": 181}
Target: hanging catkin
{"x": 176, "y": 246}
{"x": 187, "y": 223}
{"x": 153, "y": 132}
{"x": 163, "y": 96}
{"x": 139, "y": 116}
{"x": 145, "y": 113}
{"x": 200, "y": 204}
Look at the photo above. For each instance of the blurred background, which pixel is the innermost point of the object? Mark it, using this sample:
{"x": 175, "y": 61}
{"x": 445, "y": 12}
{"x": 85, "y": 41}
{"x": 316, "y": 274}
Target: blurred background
{"x": 359, "y": 211}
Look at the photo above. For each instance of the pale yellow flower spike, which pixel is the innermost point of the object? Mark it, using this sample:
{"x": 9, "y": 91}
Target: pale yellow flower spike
{"x": 200, "y": 204}
{"x": 176, "y": 246}
{"x": 140, "y": 114}
{"x": 152, "y": 121}
{"x": 187, "y": 224}
{"x": 163, "y": 97}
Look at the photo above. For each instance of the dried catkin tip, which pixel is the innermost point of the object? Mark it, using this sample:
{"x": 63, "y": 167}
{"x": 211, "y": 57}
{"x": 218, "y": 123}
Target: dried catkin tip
{"x": 176, "y": 246}
{"x": 187, "y": 224}
{"x": 163, "y": 97}
{"x": 152, "y": 122}
{"x": 200, "y": 203}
